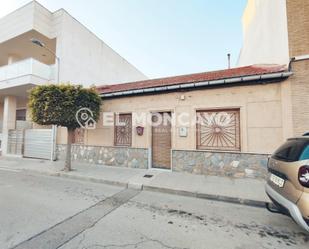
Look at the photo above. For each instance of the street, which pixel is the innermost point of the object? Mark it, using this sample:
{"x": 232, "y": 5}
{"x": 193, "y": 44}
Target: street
{"x": 41, "y": 212}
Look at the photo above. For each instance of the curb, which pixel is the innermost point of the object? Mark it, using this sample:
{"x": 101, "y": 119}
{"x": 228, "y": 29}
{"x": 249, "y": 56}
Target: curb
{"x": 228, "y": 199}
{"x": 234, "y": 200}
{"x": 78, "y": 177}
{"x": 93, "y": 180}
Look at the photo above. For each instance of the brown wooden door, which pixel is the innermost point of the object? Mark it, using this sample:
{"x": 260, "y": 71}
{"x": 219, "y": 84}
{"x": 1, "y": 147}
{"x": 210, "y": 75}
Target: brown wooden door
{"x": 161, "y": 140}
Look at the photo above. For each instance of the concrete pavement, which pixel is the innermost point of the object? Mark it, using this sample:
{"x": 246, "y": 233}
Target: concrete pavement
{"x": 244, "y": 191}
{"x": 162, "y": 221}
{"x": 63, "y": 232}
{"x": 46, "y": 212}
{"x": 30, "y": 204}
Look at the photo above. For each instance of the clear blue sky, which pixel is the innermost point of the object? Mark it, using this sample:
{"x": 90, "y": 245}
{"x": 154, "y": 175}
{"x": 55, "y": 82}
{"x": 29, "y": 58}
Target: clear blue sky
{"x": 160, "y": 37}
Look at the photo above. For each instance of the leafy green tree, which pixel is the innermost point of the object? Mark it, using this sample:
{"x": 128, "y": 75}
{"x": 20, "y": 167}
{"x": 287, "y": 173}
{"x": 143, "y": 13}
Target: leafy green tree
{"x": 66, "y": 105}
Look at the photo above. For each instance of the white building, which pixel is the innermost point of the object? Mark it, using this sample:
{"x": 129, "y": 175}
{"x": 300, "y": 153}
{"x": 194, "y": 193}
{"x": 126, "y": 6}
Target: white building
{"x": 265, "y": 33}
{"x": 276, "y": 32}
{"x": 84, "y": 59}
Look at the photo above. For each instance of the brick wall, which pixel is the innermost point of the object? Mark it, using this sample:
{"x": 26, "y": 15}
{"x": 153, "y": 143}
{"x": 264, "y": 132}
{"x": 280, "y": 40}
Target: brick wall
{"x": 298, "y": 28}
{"x": 300, "y": 97}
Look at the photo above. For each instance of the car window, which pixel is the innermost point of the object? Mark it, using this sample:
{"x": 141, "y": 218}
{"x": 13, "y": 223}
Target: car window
{"x": 305, "y": 154}
{"x": 291, "y": 150}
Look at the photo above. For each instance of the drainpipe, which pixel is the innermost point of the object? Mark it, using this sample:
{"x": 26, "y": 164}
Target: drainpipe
{"x": 297, "y": 58}
{"x": 290, "y": 64}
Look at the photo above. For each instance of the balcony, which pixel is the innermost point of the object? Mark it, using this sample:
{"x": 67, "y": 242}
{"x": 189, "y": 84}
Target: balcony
{"x": 27, "y": 67}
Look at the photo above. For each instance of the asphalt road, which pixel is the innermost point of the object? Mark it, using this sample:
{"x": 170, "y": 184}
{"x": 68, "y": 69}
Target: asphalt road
{"x": 50, "y": 212}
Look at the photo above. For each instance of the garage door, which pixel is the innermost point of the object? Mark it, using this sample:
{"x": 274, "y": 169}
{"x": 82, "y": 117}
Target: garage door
{"x": 38, "y": 143}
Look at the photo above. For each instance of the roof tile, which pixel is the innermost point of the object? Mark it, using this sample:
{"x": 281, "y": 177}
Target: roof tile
{"x": 193, "y": 78}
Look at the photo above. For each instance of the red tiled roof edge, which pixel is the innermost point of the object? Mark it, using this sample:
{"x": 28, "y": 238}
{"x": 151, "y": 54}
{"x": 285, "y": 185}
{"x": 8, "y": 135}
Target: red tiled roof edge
{"x": 193, "y": 78}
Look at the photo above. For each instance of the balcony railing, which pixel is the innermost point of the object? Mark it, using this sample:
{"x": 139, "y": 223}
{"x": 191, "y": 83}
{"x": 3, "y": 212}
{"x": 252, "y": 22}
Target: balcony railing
{"x": 27, "y": 67}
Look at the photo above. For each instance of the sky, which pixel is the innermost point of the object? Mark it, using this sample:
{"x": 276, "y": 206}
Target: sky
{"x": 160, "y": 37}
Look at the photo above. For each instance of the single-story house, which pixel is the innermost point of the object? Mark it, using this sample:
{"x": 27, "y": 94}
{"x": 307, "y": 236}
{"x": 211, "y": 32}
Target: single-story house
{"x": 257, "y": 100}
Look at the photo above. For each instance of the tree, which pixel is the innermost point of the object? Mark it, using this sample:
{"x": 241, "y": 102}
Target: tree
{"x": 61, "y": 105}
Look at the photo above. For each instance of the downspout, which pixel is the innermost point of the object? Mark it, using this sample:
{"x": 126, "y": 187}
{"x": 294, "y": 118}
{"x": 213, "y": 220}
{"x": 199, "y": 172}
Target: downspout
{"x": 290, "y": 64}
{"x": 297, "y": 58}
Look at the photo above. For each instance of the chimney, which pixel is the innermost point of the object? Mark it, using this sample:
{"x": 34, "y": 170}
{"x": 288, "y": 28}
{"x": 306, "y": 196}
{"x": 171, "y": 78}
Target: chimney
{"x": 229, "y": 60}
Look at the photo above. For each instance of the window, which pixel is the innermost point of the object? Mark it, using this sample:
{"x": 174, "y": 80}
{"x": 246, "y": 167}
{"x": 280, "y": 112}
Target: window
{"x": 218, "y": 130}
{"x": 305, "y": 154}
{"x": 292, "y": 150}
{"x": 123, "y": 130}
{"x": 21, "y": 115}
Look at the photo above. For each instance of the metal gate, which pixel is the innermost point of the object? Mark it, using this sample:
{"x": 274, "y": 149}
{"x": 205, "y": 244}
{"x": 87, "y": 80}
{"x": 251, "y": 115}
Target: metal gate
{"x": 38, "y": 143}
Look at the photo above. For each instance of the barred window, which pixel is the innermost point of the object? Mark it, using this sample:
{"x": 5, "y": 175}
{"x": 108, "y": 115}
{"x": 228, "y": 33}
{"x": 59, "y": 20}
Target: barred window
{"x": 123, "y": 130}
{"x": 218, "y": 130}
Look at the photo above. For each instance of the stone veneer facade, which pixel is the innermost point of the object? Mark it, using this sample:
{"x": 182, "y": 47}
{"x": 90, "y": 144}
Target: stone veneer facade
{"x": 108, "y": 156}
{"x": 230, "y": 164}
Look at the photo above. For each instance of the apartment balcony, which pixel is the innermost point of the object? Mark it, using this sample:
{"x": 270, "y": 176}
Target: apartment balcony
{"x": 25, "y": 72}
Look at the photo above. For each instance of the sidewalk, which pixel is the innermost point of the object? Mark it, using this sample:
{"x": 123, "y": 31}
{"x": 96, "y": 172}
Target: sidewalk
{"x": 244, "y": 191}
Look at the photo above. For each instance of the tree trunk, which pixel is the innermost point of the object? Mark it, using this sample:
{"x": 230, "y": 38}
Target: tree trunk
{"x": 67, "y": 166}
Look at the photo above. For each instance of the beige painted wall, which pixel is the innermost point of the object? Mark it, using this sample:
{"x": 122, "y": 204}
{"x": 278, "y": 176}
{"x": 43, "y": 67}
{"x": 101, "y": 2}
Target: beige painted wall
{"x": 263, "y": 115}
{"x": 266, "y": 118}
{"x": 21, "y": 103}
